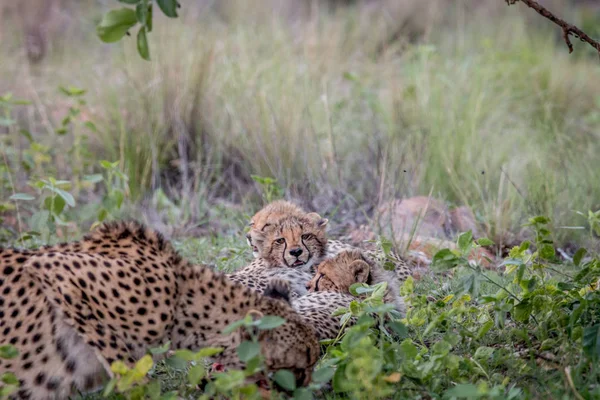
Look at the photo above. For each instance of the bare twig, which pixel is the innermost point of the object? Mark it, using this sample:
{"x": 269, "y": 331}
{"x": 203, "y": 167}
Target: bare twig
{"x": 567, "y": 28}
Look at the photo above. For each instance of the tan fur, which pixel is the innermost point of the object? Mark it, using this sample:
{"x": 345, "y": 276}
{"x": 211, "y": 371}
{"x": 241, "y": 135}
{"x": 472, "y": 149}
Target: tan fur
{"x": 284, "y": 220}
{"x": 268, "y": 216}
{"x": 295, "y": 242}
{"x": 337, "y": 274}
{"x": 73, "y": 309}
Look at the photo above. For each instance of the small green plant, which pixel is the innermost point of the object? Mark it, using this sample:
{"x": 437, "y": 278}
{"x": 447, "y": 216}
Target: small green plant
{"x": 116, "y": 189}
{"x": 270, "y": 188}
{"x": 55, "y": 199}
{"x": 76, "y": 125}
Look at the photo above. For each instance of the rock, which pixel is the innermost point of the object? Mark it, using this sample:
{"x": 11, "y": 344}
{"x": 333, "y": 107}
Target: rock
{"x": 435, "y": 227}
{"x": 462, "y": 219}
{"x": 429, "y": 216}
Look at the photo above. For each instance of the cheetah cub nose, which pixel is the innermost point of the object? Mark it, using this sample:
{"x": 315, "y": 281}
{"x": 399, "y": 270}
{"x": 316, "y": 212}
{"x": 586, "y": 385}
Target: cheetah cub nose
{"x": 296, "y": 252}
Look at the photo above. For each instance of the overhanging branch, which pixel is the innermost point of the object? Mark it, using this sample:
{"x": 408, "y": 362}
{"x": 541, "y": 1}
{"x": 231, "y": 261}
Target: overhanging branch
{"x": 567, "y": 28}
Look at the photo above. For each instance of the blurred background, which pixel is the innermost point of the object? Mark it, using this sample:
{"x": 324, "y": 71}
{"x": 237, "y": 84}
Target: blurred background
{"x": 346, "y": 105}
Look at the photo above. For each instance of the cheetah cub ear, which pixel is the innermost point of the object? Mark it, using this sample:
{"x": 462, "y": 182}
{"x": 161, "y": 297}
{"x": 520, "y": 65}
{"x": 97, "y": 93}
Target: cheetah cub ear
{"x": 360, "y": 270}
{"x": 316, "y": 218}
{"x": 279, "y": 289}
{"x": 255, "y": 314}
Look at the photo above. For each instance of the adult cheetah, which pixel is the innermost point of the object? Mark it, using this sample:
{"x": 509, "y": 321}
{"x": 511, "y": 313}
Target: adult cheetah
{"x": 73, "y": 309}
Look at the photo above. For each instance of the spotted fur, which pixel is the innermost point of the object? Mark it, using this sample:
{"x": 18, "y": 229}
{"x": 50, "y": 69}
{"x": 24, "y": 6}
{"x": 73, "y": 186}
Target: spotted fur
{"x": 73, "y": 309}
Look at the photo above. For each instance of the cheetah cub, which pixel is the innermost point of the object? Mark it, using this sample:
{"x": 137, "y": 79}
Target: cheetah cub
{"x": 337, "y": 274}
{"x": 296, "y": 241}
{"x": 267, "y": 217}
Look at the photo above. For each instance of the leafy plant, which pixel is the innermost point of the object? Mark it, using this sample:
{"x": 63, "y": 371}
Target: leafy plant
{"x": 270, "y": 188}
{"x": 116, "y": 189}
{"x": 116, "y": 23}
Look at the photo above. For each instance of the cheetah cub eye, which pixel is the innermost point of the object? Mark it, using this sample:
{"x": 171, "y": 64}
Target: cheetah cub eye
{"x": 280, "y": 241}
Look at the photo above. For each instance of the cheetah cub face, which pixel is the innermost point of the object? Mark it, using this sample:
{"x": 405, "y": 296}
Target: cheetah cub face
{"x": 295, "y": 242}
{"x": 337, "y": 274}
{"x": 267, "y": 218}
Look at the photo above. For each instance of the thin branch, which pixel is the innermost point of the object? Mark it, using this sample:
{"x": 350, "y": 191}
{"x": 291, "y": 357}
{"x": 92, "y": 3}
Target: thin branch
{"x": 567, "y": 28}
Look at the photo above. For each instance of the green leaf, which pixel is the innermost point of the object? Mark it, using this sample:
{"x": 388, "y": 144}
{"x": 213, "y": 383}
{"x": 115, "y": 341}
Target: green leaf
{"x": 409, "y": 349}
{"x": 399, "y": 328}
{"x": 27, "y": 135}
{"x": 485, "y": 328}
{"x": 209, "y": 351}
{"x": 522, "y": 311}
{"x": 161, "y": 349}
{"x": 356, "y": 289}
{"x": 22, "y": 196}
{"x": 233, "y": 326}
{"x": 483, "y": 353}
{"x": 142, "y": 44}
{"x": 302, "y": 394}
{"x": 168, "y": 7}
{"x": 464, "y": 241}
{"x": 323, "y": 375}
{"x": 95, "y": 178}
{"x": 285, "y": 379}
{"x": 67, "y": 197}
{"x": 444, "y": 259}
{"x": 465, "y": 390}
{"x": 129, "y": 1}
{"x": 484, "y": 242}
{"x": 524, "y": 246}
{"x": 578, "y": 256}
{"x": 547, "y": 252}
{"x": 72, "y": 91}
{"x": 149, "y": 18}
{"x": 9, "y": 378}
{"x": 386, "y": 245}
{"x": 469, "y": 284}
{"x": 441, "y": 348}
{"x": 248, "y": 350}
{"x": 90, "y": 125}
{"x": 115, "y": 24}
{"x": 141, "y": 12}
{"x": 591, "y": 341}
{"x": 106, "y": 164}
{"x": 565, "y": 286}
{"x": 177, "y": 363}
{"x": 269, "y": 322}
{"x": 196, "y": 373}
{"x": 539, "y": 220}
{"x": 110, "y": 387}
{"x": 185, "y": 354}
{"x": 8, "y": 352}
{"x": 102, "y": 214}
{"x": 54, "y": 204}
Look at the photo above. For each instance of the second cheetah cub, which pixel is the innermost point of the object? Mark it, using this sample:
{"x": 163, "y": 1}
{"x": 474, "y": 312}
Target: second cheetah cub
{"x": 338, "y": 273}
